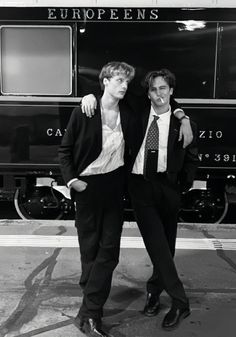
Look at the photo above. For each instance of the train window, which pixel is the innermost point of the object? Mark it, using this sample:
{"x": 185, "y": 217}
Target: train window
{"x": 188, "y": 51}
{"x": 36, "y": 60}
{"x": 227, "y": 66}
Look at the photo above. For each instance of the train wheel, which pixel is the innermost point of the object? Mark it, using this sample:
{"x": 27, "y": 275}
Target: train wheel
{"x": 41, "y": 202}
{"x": 204, "y": 206}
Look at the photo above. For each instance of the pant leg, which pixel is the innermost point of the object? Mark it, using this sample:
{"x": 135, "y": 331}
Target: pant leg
{"x": 170, "y": 203}
{"x": 170, "y": 208}
{"x": 87, "y": 224}
{"x": 110, "y": 221}
{"x": 153, "y": 233}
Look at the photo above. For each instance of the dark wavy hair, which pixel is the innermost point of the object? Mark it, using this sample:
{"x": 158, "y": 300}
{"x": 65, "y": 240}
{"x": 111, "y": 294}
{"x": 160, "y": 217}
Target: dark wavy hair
{"x": 168, "y": 76}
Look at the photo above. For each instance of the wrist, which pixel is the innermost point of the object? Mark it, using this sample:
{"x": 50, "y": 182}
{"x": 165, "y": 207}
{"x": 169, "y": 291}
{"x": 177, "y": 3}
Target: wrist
{"x": 179, "y": 113}
{"x": 184, "y": 118}
{"x": 70, "y": 182}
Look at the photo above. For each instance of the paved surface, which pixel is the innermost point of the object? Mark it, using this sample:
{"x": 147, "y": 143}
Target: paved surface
{"x": 39, "y": 293}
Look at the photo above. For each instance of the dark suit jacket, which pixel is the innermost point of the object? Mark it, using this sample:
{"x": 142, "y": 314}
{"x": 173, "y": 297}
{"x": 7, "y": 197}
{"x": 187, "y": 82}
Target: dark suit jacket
{"x": 82, "y": 141}
{"x": 181, "y": 163}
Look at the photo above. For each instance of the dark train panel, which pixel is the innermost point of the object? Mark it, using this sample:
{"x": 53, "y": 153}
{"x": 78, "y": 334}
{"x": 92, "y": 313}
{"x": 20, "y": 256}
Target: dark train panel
{"x": 217, "y": 136}
{"x": 31, "y": 134}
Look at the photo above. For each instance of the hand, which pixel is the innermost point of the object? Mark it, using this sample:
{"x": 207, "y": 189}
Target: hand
{"x": 88, "y": 105}
{"x": 79, "y": 185}
{"x": 185, "y": 132}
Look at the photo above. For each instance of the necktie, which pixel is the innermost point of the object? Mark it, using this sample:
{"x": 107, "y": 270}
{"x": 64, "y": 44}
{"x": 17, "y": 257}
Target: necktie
{"x": 151, "y": 150}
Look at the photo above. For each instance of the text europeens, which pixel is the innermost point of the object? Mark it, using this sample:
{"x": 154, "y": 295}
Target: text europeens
{"x": 103, "y": 14}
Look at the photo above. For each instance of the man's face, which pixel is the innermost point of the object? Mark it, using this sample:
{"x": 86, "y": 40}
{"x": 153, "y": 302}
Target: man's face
{"x": 160, "y": 92}
{"x": 116, "y": 86}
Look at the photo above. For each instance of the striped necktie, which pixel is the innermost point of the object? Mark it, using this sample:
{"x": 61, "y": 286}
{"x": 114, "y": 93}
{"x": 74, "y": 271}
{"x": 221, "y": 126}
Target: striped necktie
{"x": 151, "y": 150}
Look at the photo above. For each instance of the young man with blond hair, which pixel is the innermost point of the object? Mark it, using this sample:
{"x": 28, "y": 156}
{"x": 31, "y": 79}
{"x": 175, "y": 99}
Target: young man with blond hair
{"x": 92, "y": 163}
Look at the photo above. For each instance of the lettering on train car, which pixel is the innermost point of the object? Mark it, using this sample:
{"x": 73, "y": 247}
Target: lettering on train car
{"x": 55, "y": 132}
{"x": 210, "y": 134}
{"x": 111, "y": 14}
{"x": 204, "y": 134}
{"x": 218, "y": 157}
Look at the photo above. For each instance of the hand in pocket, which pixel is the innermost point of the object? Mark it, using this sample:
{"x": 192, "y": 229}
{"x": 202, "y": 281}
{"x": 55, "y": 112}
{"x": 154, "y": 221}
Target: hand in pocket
{"x": 79, "y": 185}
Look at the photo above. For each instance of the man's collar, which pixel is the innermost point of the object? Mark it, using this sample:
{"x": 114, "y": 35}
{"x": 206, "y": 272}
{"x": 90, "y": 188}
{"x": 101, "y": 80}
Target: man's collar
{"x": 163, "y": 115}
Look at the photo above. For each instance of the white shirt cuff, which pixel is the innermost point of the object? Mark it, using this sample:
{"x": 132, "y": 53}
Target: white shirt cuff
{"x": 71, "y": 181}
{"x": 178, "y": 110}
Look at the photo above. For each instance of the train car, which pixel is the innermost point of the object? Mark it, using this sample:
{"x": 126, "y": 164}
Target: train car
{"x": 50, "y": 56}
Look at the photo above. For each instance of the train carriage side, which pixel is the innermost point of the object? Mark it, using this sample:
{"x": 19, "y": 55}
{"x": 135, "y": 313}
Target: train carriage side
{"x": 42, "y": 82}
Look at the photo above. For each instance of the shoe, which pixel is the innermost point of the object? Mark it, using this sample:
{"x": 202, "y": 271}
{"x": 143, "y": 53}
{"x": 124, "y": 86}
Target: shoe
{"x": 79, "y": 322}
{"x": 92, "y": 328}
{"x": 152, "y": 305}
{"x": 174, "y": 317}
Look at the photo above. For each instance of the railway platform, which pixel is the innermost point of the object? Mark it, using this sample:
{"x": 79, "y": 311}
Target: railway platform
{"x": 40, "y": 269}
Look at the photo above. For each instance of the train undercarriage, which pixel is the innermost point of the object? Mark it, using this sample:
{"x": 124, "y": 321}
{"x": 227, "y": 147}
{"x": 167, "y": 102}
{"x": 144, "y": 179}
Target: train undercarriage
{"x": 47, "y": 198}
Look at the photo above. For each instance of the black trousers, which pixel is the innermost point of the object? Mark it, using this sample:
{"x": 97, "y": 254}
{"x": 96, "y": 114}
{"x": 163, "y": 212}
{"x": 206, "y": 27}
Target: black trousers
{"x": 99, "y": 220}
{"x": 156, "y": 204}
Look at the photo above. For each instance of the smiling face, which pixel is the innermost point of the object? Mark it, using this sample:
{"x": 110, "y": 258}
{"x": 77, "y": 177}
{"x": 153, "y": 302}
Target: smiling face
{"x": 159, "y": 93}
{"x": 116, "y": 86}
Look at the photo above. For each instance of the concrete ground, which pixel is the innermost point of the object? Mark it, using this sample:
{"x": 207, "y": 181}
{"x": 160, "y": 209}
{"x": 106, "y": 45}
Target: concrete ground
{"x": 40, "y": 270}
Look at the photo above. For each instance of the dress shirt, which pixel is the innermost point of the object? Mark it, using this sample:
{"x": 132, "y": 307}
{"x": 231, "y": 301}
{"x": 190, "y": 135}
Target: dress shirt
{"x": 163, "y": 125}
{"x": 112, "y": 154}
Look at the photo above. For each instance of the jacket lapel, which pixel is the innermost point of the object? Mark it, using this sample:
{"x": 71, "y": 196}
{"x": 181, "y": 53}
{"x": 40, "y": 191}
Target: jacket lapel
{"x": 97, "y": 124}
{"x": 173, "y": 134}
{"x": 124, "y": 116}
{"x": 145, "y": 117}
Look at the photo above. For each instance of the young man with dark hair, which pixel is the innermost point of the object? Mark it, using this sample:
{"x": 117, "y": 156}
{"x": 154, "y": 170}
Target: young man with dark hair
{"x": 160, "y": 170}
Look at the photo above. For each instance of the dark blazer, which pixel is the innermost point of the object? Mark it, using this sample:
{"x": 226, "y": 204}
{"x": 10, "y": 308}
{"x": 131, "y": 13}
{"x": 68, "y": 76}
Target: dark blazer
{"x": 82, "y": 141}
{"x": 181, "y": 163}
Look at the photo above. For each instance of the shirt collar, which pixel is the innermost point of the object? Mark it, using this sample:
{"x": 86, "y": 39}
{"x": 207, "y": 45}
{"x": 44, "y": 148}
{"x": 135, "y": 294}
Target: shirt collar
{"x": 163, "y": 116}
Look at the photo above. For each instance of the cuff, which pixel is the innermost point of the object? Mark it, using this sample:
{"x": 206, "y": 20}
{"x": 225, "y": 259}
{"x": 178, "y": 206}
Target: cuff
{"x": 178, "y": 110}
{"x": 71, "y": 181}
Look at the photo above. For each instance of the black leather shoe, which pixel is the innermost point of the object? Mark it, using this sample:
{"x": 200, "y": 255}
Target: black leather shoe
{"x": 174, "y": 317}
{"x": 92, "y": 328}
{"x": 79, "y": 322}
{"x": 152, "y": 305}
